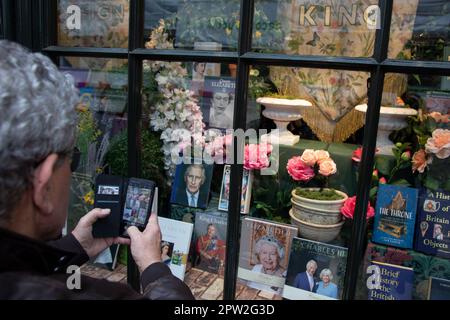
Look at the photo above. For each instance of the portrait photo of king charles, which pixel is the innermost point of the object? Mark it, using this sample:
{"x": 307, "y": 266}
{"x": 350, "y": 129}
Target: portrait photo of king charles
{"x": 191, "y": 185}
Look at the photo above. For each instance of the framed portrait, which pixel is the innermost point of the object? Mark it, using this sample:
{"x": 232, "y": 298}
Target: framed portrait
{"x": 192, "y": 185}
{"x": 218, "y": 102}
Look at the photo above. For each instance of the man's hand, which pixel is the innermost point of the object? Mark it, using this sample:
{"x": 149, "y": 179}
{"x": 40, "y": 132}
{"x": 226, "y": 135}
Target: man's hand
{"x": 83, "y": 233}
{"x": 146, "y": 246}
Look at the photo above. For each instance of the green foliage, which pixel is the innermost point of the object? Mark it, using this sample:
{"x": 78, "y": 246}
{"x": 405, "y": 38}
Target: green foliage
{"x": 325, "y": 194}
{"x": 152, "y": 159}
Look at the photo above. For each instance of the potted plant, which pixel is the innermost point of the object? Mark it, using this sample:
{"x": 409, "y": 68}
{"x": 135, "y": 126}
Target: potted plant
{"x": 315, "y": 207}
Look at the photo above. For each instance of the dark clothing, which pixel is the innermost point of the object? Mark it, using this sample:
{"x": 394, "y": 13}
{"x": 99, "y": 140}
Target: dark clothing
{"x": 30, "y": 269}
{"x": 301, "y": 281}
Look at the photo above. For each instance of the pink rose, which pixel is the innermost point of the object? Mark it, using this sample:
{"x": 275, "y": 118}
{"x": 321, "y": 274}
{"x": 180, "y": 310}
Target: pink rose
{"x": 299, "y": 170}
{"x": 348, "y": 209}
{"x": 382, "y": 180}
{"x": 439, "y": 143}
{"x": 327, "y": 167}
{"x": 356, "y": 155}
{"x": 309, "y": 157}
{"x": 256, "y": 156}
{"x": 419, "y": 161}
{"x": 321, "y": 155}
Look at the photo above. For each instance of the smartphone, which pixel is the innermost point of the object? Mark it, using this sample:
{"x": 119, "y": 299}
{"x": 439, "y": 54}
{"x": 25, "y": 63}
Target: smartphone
{"x": 108, "y": 195}
{"x": 138, "y": 204}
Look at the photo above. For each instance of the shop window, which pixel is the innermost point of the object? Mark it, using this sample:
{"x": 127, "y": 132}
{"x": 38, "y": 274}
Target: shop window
{"x": 408, "y": 238}
{"x": 102, "y": 123}
{"x": 423, "y": 28}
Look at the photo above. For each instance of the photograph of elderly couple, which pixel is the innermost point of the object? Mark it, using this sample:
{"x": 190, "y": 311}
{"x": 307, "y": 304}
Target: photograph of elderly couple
{"x": 316, "y": 271}
{"x": 264, "y": 255}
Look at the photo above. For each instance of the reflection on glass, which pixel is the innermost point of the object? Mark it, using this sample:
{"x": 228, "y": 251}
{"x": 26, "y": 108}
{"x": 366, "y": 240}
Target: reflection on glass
{"x": 198, "y": 25}
{"x": 84, "y": 23}
{"x": 324, "y": 27}
{"x": 422, "y": 28}
{"x": 102, "y": 84}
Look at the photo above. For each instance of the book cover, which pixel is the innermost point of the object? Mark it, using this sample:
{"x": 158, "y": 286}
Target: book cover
{"x": 210, "y": 241}
{"x": 389, "y": 282}
{"x": 316, "y": 271}
{"x": 264, "y": 253}
{"x": 247, "y": 181}
{"x": 175, "y": 244}
{"x": 433, "y": 231}
{"x": 218, "y": 102}
{"x": 108, "y": 257}
{"x": 395, "y": 216}
{"x": 191, "y": 185}
{"x": 438, "y": 289}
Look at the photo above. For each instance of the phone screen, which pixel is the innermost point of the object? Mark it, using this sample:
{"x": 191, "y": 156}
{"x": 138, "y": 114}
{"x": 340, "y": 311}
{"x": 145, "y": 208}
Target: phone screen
{"x": 137, "y": 205}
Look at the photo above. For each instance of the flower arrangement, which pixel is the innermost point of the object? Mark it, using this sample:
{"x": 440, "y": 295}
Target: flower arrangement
{"x": 313, "y": 168}
{"x": 177, "y": 114}
{"x": 257, "y": 156}
{"x": 423, "y": 149}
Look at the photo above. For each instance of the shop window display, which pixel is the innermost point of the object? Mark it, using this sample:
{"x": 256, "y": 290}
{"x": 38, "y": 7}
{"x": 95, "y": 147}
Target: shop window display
{"x": 307, "y": 206}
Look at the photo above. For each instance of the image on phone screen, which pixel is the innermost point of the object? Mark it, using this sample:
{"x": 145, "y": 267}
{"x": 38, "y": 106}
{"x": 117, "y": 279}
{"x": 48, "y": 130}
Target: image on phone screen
{"x": 137, "y": 205}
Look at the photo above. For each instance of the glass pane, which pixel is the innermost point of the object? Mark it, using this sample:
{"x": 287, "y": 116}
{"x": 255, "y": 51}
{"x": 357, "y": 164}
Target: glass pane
{"x": 186, "y": 105}
{"x": 423, "y": 29}
{"x": 186, "y": 24}
{"x": 312, "y": 173}
{"x": 409, "y": 235}
{"x": 84, "y": 23}
{"x": 305, "y": 27}
{"x": 102, "y": 138}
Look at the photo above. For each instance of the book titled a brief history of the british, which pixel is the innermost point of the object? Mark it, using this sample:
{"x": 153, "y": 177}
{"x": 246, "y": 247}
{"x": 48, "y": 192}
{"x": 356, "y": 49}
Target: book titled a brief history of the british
{"x": 433, "y": 230}
{"x": 389, "y": 282}
{"x": 176, "y": 240}
{"x": 316, "y": 271}
{"x": 395, "y": 216}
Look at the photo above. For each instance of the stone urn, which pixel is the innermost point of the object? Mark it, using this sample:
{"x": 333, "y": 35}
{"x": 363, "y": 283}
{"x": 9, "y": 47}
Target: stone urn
{"x": 282, "y": 112}
{"x": 391, "y": 119}
{"x": 319, "y": 220}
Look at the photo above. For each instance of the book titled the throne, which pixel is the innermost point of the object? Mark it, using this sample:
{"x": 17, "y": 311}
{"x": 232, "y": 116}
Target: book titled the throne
{"x": 395, "y": 216}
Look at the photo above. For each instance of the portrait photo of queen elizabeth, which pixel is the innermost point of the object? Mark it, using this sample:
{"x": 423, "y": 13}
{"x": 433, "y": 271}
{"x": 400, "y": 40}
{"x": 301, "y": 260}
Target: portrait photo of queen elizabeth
{"x": 263, "y": 260}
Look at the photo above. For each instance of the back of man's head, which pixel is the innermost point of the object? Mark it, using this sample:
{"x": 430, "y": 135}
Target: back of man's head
{"x": 38, "y": 118}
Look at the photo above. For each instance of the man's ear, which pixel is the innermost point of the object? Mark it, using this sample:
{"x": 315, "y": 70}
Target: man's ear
{"x": 41, "y": 184}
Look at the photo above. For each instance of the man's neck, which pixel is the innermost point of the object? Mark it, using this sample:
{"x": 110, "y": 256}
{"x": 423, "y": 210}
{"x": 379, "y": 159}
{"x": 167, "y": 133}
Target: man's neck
{"x": 20, "y": 220}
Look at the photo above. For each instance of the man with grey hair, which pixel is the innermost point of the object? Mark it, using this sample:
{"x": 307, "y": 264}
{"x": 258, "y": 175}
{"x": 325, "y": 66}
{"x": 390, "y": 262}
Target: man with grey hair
{"x": 305, "y": 280}
{"x": 37, "y": 137}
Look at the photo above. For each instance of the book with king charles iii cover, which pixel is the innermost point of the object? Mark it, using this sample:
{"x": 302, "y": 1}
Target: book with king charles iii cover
{"x": 316, "y": 271}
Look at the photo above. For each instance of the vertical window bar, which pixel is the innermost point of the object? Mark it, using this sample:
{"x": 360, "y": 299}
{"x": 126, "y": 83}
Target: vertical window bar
{"x": 357, "y": 243}
{"x": 9, "y": 13}
{"x": 239, "y": 121}
{"x": 48, "y": 21}
{"x": 136, "y": 29}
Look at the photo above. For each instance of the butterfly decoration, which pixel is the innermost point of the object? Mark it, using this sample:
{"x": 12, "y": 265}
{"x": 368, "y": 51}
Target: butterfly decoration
{"x": 313, "y": 42}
